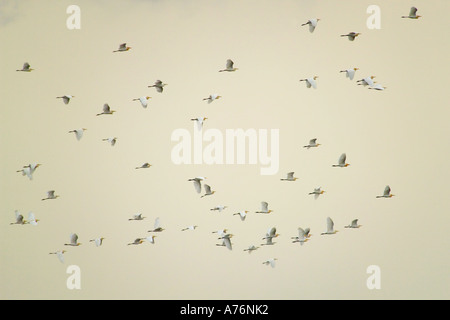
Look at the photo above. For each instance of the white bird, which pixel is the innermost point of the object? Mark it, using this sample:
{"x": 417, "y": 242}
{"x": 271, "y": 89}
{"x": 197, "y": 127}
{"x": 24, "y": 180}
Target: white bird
{"x": 208, "y": 191}
{"x": 159, "y": 86}
{"x": 143, "y": 100}
{"x": 271, "y": 233}
{"x": 32, "y": 219}
{"x": 242, "y": 214}
{"x": 156, "y": 226}
{"x": 264, "y": 208}
{"x": 351, "y": 36}
{"x": 19, "y": 218}
{"x": 197, "y": 183}
{"x": 106, "y": 110}
{"x": 226, "y": 241}
{"x": 151, "y": 239}
{"x": 317, "y": 192}
{"x": 270, "y": 262}
{"x": 330, "y": 227}
{"x": 200, "y": 121}
{"x": 66, "y": 98}
{"x": 412, "y": 14}
{"x": 312, "y": 144}
{"x": 26, "y": 68}
{"x": 78, "y": 133}
{"x": 212, "y": 97}
{"x": 386, "y": 193}
{"x": 144, "y": 166}
{"x": 251, "y": 248}
{"x": 122, "y": 47}
{"x": 289, "y": 177}
{"x": 29, "y": 170}
{"x": 60, "y": 255}
{"x": 50, "y": 195}
{"x": 111, "y": 140}
{"x": 311, "y": 82}
{"x": 341, "y": 161}
{"x": 98, "y": 241}
{"x": 354, "y": 224}
{"x": 219, "y": 208}
{"x": 221, "y": 232}
{"x": 136, "y": 241}
{"x": 137, "y": 217}
{"x": 367, "y": 81}
{"x": 229, "y": 67}
{"x": 312, "y": 24}
{"x": 73, "y": 240}
{"x": 350, "y": 73}
{"x": 302, "y": 236}
{"x": 192, "y": 228}
{"x": 378, "y": 87}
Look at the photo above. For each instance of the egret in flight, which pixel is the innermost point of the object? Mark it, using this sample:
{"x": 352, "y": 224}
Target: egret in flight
{"x": 226, "y": 241}
{"x": 270, "y": 262}
{"x": 212, "y": 97}
{"x": 111, "y": 140}
{"x": 143, "y": 100}
{"x": 192, "y": 228}
{"x": 412, "y": 14}
{"x": 317, "y": 192}
{"x": 311, "y": 82}
{"x": 32, "y": 219}
{"x": 330, "y": 227}
{"x": 73, "y": 241}
{"x": 350, "y": 73}
{"x": 386, "y": 193}
{"x": 264, "y": 208}
{"x": 367, "y": 81}
{"x": 98, "y": 241}
{"x": 312, "y": 144}
{"x": 302, "y": 236}
{"x": 200, "y": 121}
{"x": 242, "y": 214}
{"x": 78, "y": 133}
{"x": 65, "y": 98}
{"x": 208, "y": 191}
{"x": 19, "y": 218}
{"x": 312, "y": 23}
{"x": 106, "y": 110}
{"x": 351, "y": 36}
{"x": 51, "y": 195}
{"x": 271, "y": 233}
{"x": 144, "y": 166}
{"x": 289, "y": 177}
{"x": 219, "y": 208}
{"x": 229, "y": 66}
{"x": 159, "y": 86}
{"x": 151, "y": 239}
{"x": 157, "y": 226}
{"x": 378, "y": 87}
{"x": 137, "y": 217}
{"x": 26, "y": 68}
{"x": 251, "y": 248}
{"x": 136, "y": 241}
{"x": 341, "y": 161}
{"x": 60, "y": 255}
{"x": 197, "y": 183}
{"x": 354, "y": 224}
{"x": 122, "y": 47}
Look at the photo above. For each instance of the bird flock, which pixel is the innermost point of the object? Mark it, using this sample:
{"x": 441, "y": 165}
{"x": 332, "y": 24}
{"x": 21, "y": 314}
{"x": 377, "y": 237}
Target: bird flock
{"x": 223, "y": 235}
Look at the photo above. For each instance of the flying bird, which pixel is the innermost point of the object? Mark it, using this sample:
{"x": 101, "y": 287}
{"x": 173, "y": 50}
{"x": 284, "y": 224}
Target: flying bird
{"x": 317, "y": 192}
{"x": 219, "y": 208}
{"x": 144, "y": 166}
{"x": 73, "y": 240}
{"x": 157, "y": 226}
{"x": 302, "y": 236}
{"x": 264, "y": 208}
{"x": 66, "y": 98}
{"x": 229, "y": 66}
{"x": 208, "y": 191}
{"x": 26, "y": 68}
{"x": 19, "y": 218}
{"x": 341, "y": 161}
{"x": 350, "y": 73}
{"x": 312, "y": 144}
{"x": 200, "y": 121}
{"x": 271, "y": 233}
{"x": 32, "y": 219}
{"x": 354, "y": 224}
{"x": 151, "y": 239}
{"x": 212, "y": 97}
{"x": 137, "y": 217}
{"x": 226, "y": 241}
{"x": 367, "y": 81}
{"x": 106, "y": 110}
{"x": 78, "y": 133}
{"x": 312, "y": 23}
{"x": 60, "y": 255}
{"x": 351, "y": 36}
{"x": 122, "y": 47}
{"x": 98, "y": 241}
{"x": 251, "y": 248}
{"x": 192, "y": 228}
{"x": 330, "y": 227}
{"x": 50, "y": 195}
{"x": 197, "y": 183}
{"x": 289, "y": 177}
{"x": 136, "y": 241}
{"x": 311, "y": 82}
{"x": 270, "y": 262}
{"x": 386, "y": 193}
{"x": 159, "y": 85}
{"x": 377, "y": 87}
{"x": 143, "y": 101}
{"x": 242, "y": 214}
{"x": 111, "y": 140}
{"x": 412, "y": 14}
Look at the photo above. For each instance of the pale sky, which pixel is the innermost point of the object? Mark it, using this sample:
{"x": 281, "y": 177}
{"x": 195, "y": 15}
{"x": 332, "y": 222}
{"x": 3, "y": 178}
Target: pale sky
{"x": 398, "y": 137}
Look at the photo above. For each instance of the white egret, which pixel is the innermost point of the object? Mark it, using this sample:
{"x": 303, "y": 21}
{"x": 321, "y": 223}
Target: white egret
{"x": 270, "y": 262}
{"x": 159, "y": 86}
{"x": 242, "y": 214}
{"x": 341, "y": 161}
{"x": 229, "y": 66}
{"x": 330, "y": 227}
{"x": 192, "y": 228}
{"x": 32, "y": 219}
{"x": 354, "y": 224}
{"x": 197, "y": 183}
{"x": 144, "y": 166}
{"x": 312, "y": 144}
{"x": 289, "y": 177}
{"x": 311, "y": 82}
{"x": 271, "y": 233}
{"x": 386, "y": 193}
{"x": 51, "y": 195}
{"x": 317, "y": 192}
{"x": 66, "y": 98}
{"x": 26, "y": 68}
{"x": 78, "y": 133}
{"x": 156, "y": 226}
{"x": 412, "y": 14}
{"x": 264, "y": 208}
{"x": 106, "y": 110}
{"x": 378, "y": 87}
{"x": 367, "y": 81}
{"x": 137, "y": 217}
{"x": 212, "y": 97}
{"x": 98, "y": 241}
{"x": 151, "y": 239}
{"x": 122, "y": 47}
{"x": 136, "y": 241}
{"x": 111, "y": 140}
{"x": 73, "y": 240}
{"x": 226, "y": 241}
{"x": 219, "y": 208}
{"x": 200, "y": 121}
{"x": 26, "y": 171}
{"x": 208, "y": 191}
{"x": 351, "y": 36}
{"x": 350, "y": 73}
{"x": 312, "y": 23}
{"x": 251, "y": 248}
{"x": 143, "y": 100}
{"x": 302, "y": 236}
{"x": 60, "y": 255}
{"x": 19, "y": 218}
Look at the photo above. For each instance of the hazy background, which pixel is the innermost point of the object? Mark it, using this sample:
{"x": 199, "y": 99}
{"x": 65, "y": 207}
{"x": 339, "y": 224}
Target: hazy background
{"x": 399, "y": 137}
